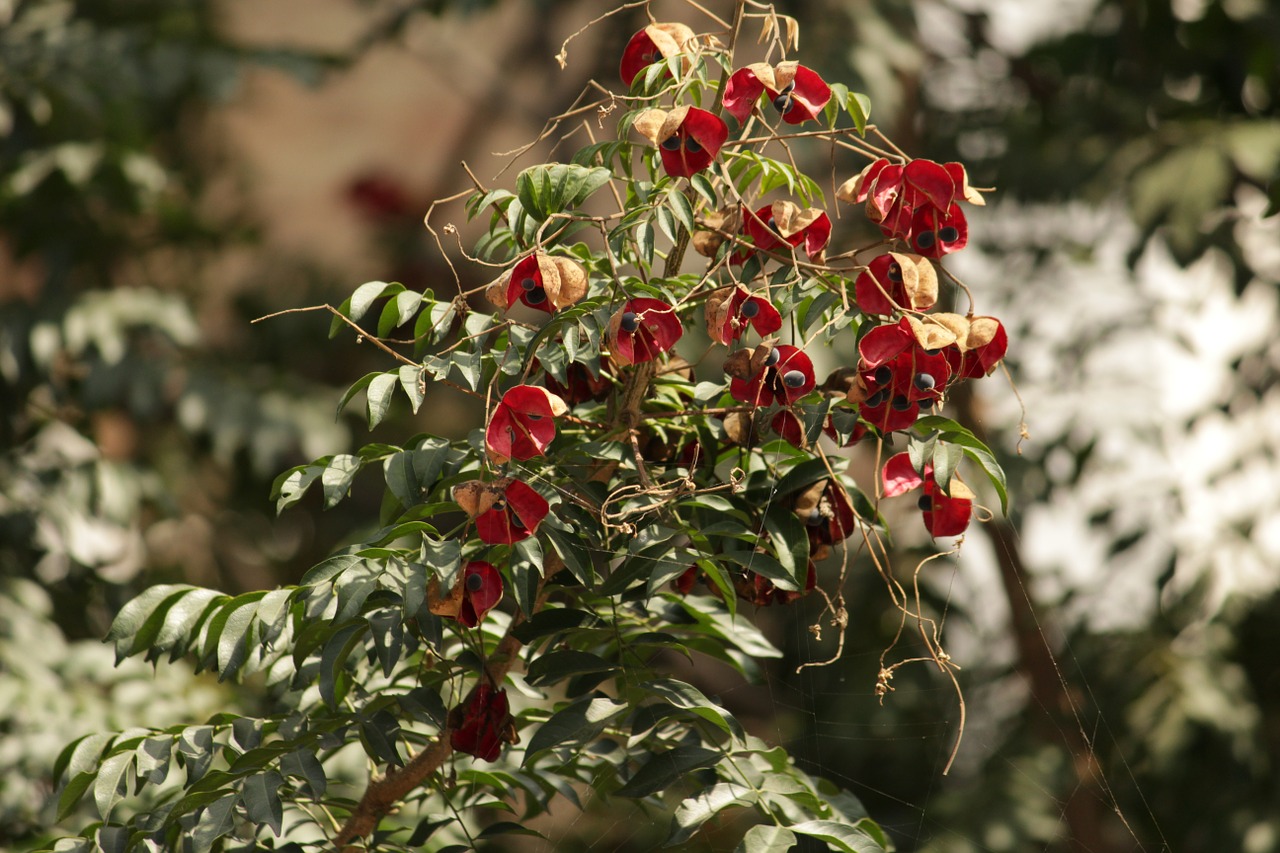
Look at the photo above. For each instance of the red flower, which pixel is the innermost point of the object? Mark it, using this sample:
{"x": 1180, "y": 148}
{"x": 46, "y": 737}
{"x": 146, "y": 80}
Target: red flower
{"x": 684, "y": 582}
{"x": 644, "y": 329}
{"x": 652, "y": 44}
{"x": 897, "y": 282}
{"x": 583, "y": 385}
{"x": 978, "y": 352}
{"x": 934, "y": 233}
{"x": 783, "y": 226}
{"x": 514, "y": 517}
{"x": 788, "y": 425}
{"x": 760, "y": 591}
{"x": 522, "y": 424}
{"x": 944, "y": 515}
{"x": 972, "y": 345}
{"x": 827, "y": 513}
{"x": 482, "y": 724}
{"x": 896, "y": 195}
{"x": 787, "y": 375}
{"x": 688, "y": 138}
{"x": 897, "y": 374}
{"x": 796, "y": 92}
{"x": 545, "y": 282}
{"x": 481, "y": 590}
{"x": 731, "y": 309}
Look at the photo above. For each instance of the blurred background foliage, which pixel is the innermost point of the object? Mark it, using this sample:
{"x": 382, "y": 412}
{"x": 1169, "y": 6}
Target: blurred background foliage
{"x": 170, "y": 170}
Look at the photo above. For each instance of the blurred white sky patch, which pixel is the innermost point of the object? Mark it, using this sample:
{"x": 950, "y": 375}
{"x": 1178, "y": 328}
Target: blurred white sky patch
{"x": 1152, "y": 406}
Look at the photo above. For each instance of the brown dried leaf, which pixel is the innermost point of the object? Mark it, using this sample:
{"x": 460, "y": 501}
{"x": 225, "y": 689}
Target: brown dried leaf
{"x": 563, "y": 279}
{"x": 809, "y": 500}
{"x": 649, "y": 124}
{"x": 718, "y": 307}
{"x": 448, "y": 605}
{"x": 477, "y": 497}
{"x": 738, "y": 364}
{"x": 759, "y": 355}
{"x": 737, "y": 426}
{"x": 982, "y": 330}
{"x": 840, "y": 382}
{"x": 933, "y": 333}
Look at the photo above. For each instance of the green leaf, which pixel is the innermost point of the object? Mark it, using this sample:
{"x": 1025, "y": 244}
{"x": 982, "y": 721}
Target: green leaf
{"x": 859, "y": 108}
{"x": 139, "y": 622}
{"x": 790, "y": 541}
{"x": 216, "y": 820}
{"x": 839, "y": 97}
{"x": 337, "y": 477}
{"x": 333, "y": 659}
{"x": 945, "y": 459}
{"x": 399, "y": 311}
{"x": 303, "y": 764}
{"x": 290, "y": 486}
{"x": 506, "y": 827}
{"x": 843, "y": 836}
{"x": 954, "y": 433}
{"x": 261, "y": 795}
{"x": 526, "y": 573}
{"x": 71, "y": 794}
{"x": 195, "y": 743}
{"x": 80, "y": 755}
{"x": 763, "y": 564}
{"x": 696, "y": 810}
{"x": 767, "y": 839}
{"x": 665, "y": 768}
{"x": 380, "y": 734}
{"x": 577, "y": 559}
{"x": 378, "y": 396}
{"x": 367, "y": 294}
{"x": 645, "y": 236}
{"x": 690, "y": 698}
{"x": 410, "y": 474}
{"x": 704, "y": 188}
{"x": 413, "y": 383}
{"x": 559, "y": 665}
{"x": 579, "y": 722}
{"x": 109, "y": 787}
{"x": 233, "y": 643}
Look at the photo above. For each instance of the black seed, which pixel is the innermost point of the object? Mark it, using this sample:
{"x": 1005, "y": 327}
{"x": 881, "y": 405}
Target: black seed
{"x": 883, "y": 375}
{"x": 474, "y": 582}
{"x": 895, "y": 272}
{"x": 516, "y": 522}
{"x": 528, "y": 283}
{"x": 788, "y": 89}
{"x": 656, "y": 56}
{"x": 500, "y": 504}
{"x": 630, "y": 321}
{"x": 782, "y": 103}
{"x": 877, "y": 398}
{"x": 924, "y": 382}
{"x": 772, "y": 226}
{"x": 692, "y": 145}
{"x": 949, "y": 234}
{"x": 772, "y": 358}
{"x": 672, "y": 143}
{"x": 531, "y": 416}
{"x": 793, "y": 379}
{"x": 925, "y": 503}
{"x": 925, "y": 240}
{"x": 749, "y": 309}
{"x": 814, "y": 518}
{"x": 537, "y": 296}
{"x": 901, "y": 403}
